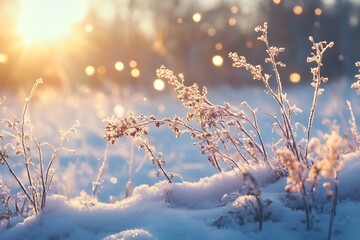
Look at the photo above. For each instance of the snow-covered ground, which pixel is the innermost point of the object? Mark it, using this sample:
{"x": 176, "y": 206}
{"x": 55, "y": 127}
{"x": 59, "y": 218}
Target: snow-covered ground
{"x": 206, "y": 205}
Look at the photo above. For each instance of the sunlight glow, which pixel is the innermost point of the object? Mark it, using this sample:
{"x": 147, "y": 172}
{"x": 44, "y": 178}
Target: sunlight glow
{"x": 295, "y": 77}
{"x": 47, "y": 20}
{"x": 217, "y": 60}
{"x": 159, "y": 85}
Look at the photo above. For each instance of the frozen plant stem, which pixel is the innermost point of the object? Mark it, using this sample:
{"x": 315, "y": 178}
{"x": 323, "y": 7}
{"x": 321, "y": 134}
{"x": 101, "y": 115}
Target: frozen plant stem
{"x": 28, "y": 159}
{"x": 154, "y": 158}
{"x": 96, "y": 184}
{"x": 316, "y": 57}
{"x": 42, "y": 177}
{"x": 252, "y": 187}
{"x": 256, "y": 71}
{"x": 353, "y": 127}
{"x": 39, "y": 178}
{"x": 23, "y": 188}
{"x": 333, "y": 208}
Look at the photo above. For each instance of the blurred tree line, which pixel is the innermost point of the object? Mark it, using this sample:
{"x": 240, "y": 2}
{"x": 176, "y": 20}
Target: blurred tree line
{"x": 151, "y": 33}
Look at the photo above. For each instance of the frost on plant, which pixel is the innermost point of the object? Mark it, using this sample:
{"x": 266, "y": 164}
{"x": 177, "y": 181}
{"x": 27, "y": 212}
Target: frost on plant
{"x": 352, "y": 121}
{"x": 356, "y": 85}
{"x": 19, "y": 146}
{"x": 295, "y": 179}
{"x": 230, "y": 137}
{"x": 329, "y": 156}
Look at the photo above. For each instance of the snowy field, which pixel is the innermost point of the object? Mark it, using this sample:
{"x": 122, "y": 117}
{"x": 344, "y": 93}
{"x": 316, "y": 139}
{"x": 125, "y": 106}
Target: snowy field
{"x": 202, "y": 204}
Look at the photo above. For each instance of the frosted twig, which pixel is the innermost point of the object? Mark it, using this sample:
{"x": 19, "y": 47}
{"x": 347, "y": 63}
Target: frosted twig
{"x": 353, "y": 127}
{"x": 96, "y": 184}
{"x": 316, "y": 57}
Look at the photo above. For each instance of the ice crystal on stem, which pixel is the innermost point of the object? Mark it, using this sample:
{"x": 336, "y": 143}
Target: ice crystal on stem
{"x": 356, "y": 85}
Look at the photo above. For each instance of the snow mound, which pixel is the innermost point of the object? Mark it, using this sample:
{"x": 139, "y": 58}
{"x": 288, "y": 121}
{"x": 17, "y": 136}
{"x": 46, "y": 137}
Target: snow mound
{"x": 135, "y": 234}
{"x": 349, "y": 177}
{"x": 207, "y": 192}
{"x": 215, "y": 207}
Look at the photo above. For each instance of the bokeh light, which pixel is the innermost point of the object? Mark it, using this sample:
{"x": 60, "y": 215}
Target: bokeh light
{"x": 3, "y": 58}
{"x": 196, "y": 17}
{"x": 245, "y": 9}
{"x": 232, "y": 21}
{"x": 101, "y": 70}
{"x": 133, "y": 64}
{"x": 161, "y": 108}
{"x": 119, "y": 110}
{"x": 234, "y": 9}
{"x": 295, "y": 77}
{"x": 179, "y": 20}
{"x": 159, "y": 85}
{"x": 89, "y": 70}
{"x": 211, "y": 32}
{"x": 89, "y": 28}
{"x": 119, "y": 66}
{"x": 276, "y": 1}
{"x": 318, "y": 11}
{"x": 249, "y": 44}
{"x": 218, "y": 46}
{"x": 113, "y": 180}
{"x": 354, "y": 21}
{"x": 135, "y": 72}
{"x": 297, "y": 9}
{"x": 217, "y": 60}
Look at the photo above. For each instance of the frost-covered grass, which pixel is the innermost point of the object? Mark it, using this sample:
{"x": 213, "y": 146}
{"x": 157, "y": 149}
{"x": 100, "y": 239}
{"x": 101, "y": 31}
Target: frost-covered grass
{"x": 231, "y": 138}
{"x": 192, "y": 206}
{"x": 278, "y": 172}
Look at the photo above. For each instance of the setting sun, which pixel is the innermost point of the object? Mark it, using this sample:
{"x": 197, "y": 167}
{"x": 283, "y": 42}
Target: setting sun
{"x": 47, "y": 20}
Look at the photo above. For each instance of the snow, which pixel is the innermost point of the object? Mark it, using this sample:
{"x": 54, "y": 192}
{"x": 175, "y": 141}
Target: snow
{"x": 206, "y": 205}
{"x": 188, "y": 211}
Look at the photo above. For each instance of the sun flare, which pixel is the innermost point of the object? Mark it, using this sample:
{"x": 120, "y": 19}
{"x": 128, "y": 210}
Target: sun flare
{"x": 48, "y": 20}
